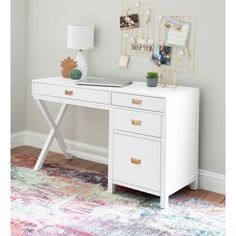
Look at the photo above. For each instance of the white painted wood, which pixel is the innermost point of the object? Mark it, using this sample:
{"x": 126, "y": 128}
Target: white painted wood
{"x": 181, "y": 141}
{"x": 212, "y": 181}
{"x": 73, "y": 102}
{"x": 111, "y": 185}
{"x": 137, "y": 135}
{"x": 146, "y": 190}
{"x": 77, "y": 149}
{"x": 145, "y": 174}
{"x": 195, "y": 184}
{"x": 138, "y": 102}
{"x": 54, "y": 126}
{"x": 174, "y": 188}
{"x": 54, "y": 131}
{"x": 137, "y": 88}
{"x": 158, "y": 124}
{"x": 164, "y": 174}
{"x": 137, "y": 122}
{"x": 17, "y": 139}
{"x": 208, "y": 180}
{"x": 44, "y": 151}
{"x": 88, "y": 155}
{"x": 82, "y": 94}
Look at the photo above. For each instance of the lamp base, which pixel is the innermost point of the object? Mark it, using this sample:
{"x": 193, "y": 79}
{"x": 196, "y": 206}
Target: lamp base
{"x": 82, "y": 63}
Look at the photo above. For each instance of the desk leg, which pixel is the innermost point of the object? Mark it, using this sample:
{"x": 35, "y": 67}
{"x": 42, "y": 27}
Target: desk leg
{"x": 111, "y": 186}
{"x": 164, "y": 201}
{"x": 54, "y": 132}
{"x": 194, "y": 185}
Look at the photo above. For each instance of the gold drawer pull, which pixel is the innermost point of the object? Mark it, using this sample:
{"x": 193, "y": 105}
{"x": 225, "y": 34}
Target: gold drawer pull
{"x": 136, "y": 101}
{"x": 136, "y": 122}
{"x": 69, "y": 92}
{"x": 135, "y": 161}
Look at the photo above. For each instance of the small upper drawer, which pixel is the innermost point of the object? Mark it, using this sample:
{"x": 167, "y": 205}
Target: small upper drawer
{"x": 82, "y": 94}
{"x": 140, "y": 102}
{"x": 137, "y": 122}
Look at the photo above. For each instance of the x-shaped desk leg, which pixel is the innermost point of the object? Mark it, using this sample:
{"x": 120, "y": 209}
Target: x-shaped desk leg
{"x": 54, "y": 132}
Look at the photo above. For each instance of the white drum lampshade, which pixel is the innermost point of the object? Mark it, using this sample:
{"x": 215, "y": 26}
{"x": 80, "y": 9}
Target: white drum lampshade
{"x": 81, "y": 37}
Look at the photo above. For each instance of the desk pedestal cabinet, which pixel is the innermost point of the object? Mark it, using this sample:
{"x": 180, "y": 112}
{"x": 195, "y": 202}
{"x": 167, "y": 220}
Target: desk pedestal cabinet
{"x": 153, "y": 132}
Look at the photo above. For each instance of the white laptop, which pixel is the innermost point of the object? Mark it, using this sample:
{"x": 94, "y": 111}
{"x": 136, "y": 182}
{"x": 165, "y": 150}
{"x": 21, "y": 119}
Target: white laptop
{"x": 93, "y": 81}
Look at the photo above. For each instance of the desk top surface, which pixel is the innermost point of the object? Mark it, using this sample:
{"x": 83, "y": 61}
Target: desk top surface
{"x": 138, "y": 88}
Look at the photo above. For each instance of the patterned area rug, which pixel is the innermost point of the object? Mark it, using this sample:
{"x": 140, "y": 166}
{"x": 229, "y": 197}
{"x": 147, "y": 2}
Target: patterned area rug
{"x": 59, "y": 200}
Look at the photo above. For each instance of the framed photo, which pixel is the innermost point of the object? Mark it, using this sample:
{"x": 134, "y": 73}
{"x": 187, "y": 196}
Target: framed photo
{"x": 161, "y": 55}
{"x": 178, "y": 38}
{"x": 129, "y": 21}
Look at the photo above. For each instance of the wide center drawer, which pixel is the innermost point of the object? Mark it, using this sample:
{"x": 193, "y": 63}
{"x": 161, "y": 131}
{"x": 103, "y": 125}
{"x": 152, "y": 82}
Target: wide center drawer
{"x": 137, "y": 161}
{"x": 137, "y": 122}
{"x": 88, "y": 95}
{"x": 140, "y": 102}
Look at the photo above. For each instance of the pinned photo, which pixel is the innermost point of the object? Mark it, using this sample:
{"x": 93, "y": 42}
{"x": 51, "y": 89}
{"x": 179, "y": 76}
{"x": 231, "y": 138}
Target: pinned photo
{"x": 174, "y": 24}
{"x": 143, "y": 45}
{"x": 129, "y": 21}
{"x": 161, "y": 55}
{"x": 124, "y": 61}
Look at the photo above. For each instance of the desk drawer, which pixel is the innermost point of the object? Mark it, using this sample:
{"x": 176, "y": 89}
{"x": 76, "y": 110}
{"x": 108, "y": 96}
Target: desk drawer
{"x": 137, "y": 122}
{"x": 140, "y": 102}
{"x": 88, "y": 95}
{"x": 137, "y": 161}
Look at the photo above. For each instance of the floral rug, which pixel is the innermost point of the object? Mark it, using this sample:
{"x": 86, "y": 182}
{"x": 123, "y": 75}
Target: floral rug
{"x": 60, "y": 200}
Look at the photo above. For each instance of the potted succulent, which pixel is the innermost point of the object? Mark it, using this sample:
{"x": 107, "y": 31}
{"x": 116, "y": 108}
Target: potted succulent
{"x": 152, "y": 79}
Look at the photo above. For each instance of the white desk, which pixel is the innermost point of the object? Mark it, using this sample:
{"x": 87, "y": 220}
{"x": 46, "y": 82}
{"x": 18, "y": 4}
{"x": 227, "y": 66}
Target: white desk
{"x": 153, "y": 132}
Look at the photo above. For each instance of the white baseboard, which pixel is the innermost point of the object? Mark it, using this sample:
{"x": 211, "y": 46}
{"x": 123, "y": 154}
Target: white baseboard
{"x": 78, "y": 149}
{"x": 17, "y": 139}
{"x": 210, "y": 181}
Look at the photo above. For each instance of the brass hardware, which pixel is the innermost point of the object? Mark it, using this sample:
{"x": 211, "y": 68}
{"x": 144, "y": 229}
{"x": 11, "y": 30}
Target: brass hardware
{"x": 162, "y": 79}
{"x": 136, "y": 101}
{"x": 136, "y": 122}
{"x": 135, "y": 161}
{"x": 68, "y": 92}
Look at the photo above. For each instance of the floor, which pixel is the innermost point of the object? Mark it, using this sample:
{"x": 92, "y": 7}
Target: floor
{"x": 89, "y": 165}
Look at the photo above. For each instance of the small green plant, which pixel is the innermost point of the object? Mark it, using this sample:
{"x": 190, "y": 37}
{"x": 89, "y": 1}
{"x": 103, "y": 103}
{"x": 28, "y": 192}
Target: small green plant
{"x": 152, "y": 75}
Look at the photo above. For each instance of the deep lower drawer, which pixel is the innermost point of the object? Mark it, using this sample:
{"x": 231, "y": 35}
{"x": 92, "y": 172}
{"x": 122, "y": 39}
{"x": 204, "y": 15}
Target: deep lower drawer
{"x": 136, "y": 161}
{"x": 72, "y": 93}
{"x": 137, "y": 122}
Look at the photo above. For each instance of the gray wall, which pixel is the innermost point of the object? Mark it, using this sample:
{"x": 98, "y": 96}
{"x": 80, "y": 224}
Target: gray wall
{"x": 47, "y": 33}
{"x": 18, "y": 64}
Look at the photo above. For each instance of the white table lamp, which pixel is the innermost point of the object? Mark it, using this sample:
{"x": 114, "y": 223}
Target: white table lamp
{"x": 81, "y": 37}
